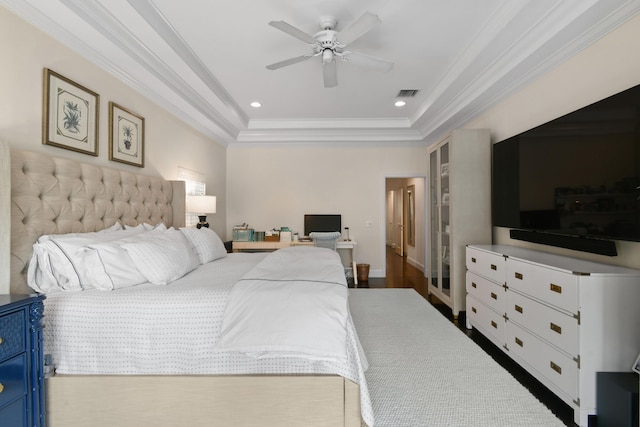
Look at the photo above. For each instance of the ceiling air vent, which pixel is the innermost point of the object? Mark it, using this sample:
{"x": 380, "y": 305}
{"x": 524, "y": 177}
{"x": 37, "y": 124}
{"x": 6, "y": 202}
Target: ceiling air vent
{"x": 407, "y": 93}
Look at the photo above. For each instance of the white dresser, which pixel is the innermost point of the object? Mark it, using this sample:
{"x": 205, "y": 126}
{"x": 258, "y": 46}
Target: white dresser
{"x": 563, "y": 319}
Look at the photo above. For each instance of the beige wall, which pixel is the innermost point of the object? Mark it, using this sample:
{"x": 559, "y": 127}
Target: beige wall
{"x": 275, "y": 186}
{"x": 169, "y": 142}
{"x": 609, "y": 66}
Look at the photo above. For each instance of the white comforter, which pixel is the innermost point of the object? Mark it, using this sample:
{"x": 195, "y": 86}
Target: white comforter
{"x": 292, "y": 304}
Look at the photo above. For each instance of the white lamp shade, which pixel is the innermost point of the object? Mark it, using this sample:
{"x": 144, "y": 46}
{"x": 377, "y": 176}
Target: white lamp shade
{"x": 201, "y": 204}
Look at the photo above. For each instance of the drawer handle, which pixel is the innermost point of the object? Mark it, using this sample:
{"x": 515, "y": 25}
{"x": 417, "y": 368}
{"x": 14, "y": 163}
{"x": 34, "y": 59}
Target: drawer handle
{"x": 518, "y": 308}
{"x": 494, "y": 296}
{"x": 494, "y": 267}
{"x": 1, "y": 387}
{"x": 555, "y": 367}
{"x": 519, "y": 342}
{"x": 494, "y": 324}
{"x": 474, "y": 309}
{"x": 1, "y": 340}
{"x": 518, "y": 276}
{"x": 555, "y": 288}
{"x": 473, "y": 260}
{"x": 555, "y": 328}
{"x": 473, "y": 285}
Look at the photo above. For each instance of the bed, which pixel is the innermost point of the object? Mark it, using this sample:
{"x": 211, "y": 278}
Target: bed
{"x": 102, "y": 385}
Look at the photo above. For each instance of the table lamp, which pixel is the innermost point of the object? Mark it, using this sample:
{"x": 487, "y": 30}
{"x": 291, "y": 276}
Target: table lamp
{"x": 201, "y": 206}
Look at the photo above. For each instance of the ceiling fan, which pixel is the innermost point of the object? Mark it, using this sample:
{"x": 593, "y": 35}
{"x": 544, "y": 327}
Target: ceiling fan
{"x": 331, "y": 45}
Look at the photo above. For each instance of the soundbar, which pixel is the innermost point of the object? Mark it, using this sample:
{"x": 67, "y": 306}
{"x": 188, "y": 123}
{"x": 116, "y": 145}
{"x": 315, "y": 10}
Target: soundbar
{"x": 576, "y": 243}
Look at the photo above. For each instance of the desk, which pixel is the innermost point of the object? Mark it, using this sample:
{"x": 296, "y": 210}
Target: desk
{"x": 343, "y": 247}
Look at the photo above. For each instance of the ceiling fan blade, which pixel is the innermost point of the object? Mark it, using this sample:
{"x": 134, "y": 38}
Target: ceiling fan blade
{"x": 293, "y": 31}
{"x": 330, "y": 74}
{"x": 358, "y": 28}
{"x": 289, "y": 61}
{"x": 368, "y": 61}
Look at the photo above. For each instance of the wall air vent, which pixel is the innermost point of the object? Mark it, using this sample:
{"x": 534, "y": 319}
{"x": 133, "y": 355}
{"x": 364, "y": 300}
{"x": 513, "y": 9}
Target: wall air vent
{"x": 407, "y": 93}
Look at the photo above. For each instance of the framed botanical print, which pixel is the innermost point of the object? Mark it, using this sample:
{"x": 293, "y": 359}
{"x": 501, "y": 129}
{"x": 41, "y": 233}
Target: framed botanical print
{"x": 70, "y": 114}
{"x": 126, "y": 136}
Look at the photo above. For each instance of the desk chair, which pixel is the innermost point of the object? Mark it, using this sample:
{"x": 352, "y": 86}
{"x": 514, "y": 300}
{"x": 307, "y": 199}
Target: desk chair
{"x": 325, "y": 240}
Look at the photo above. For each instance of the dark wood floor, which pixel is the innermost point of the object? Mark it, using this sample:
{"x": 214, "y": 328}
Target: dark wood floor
{"x": 401, "y": 274}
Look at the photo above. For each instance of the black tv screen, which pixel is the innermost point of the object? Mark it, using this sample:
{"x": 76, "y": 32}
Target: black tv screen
{"x": 577, "y": 175}
{"x": 322, "y": 223}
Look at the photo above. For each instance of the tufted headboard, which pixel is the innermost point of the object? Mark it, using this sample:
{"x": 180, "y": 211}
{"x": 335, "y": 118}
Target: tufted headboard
{"x": 51, "y": 195}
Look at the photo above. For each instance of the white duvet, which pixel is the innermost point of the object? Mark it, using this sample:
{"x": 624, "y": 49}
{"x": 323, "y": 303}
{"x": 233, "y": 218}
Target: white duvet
{"x": 292, "y": 304}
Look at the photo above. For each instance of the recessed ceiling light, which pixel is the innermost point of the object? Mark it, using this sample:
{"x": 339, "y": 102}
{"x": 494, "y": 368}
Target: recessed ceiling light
{"x": 400, "y": 104}
{"x": 256, "y": 104}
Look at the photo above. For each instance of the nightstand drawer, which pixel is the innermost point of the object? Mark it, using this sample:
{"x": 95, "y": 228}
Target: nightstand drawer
{"x": 12, "y": 333}
{"x": 13, "y": 379}
{"x": 13, "y": 415}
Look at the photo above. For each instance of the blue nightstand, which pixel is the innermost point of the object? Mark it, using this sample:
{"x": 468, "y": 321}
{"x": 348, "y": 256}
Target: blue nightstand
{"x": 21, "y": 361}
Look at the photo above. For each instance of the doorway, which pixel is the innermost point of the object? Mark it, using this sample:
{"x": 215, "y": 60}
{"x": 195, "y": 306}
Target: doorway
{"x": 405, "y": 219}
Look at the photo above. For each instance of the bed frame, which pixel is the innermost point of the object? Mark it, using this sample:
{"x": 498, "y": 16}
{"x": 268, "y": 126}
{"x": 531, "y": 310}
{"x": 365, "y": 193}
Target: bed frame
{"x": 52, "y": 195}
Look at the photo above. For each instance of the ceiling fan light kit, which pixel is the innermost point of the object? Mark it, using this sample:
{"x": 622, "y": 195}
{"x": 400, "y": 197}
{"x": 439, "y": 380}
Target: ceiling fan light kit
{"x": 330, "y": 44}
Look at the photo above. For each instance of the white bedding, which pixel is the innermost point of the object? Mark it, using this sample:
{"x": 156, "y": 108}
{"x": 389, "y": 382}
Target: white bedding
{"x": 172, "y": 329}
{"x": 293, "y": 303}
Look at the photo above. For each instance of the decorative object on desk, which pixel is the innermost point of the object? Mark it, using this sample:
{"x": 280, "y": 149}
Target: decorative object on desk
{"x": 70, "y": 115}
{"x": 347, "y": 239}
{"x": 272, "y": 235}
{"x": 201, "y": 206}
{"x": 285, "y": 234}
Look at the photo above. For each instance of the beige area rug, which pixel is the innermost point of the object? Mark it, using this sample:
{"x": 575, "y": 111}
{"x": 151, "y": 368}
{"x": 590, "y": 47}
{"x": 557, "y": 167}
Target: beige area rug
{"x": 425, "y": 372}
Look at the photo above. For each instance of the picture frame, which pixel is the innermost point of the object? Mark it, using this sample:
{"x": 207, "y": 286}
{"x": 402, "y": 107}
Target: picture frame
{"x": 70, "y": 114}
{"x": 126, "y": 136}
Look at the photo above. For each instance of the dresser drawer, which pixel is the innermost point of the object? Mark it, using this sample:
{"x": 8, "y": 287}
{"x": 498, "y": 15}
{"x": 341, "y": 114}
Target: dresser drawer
{"x": 12, "y": 333}
{"x": 486, "y": 264}
{"x": 557, "y": 368}
{"x": 13, "y": 379}
{"x": 558, "y": 328}
{"x": 554, "y": 287}
{"x": 487, "y": 321}
{"x": 486, "y": 291}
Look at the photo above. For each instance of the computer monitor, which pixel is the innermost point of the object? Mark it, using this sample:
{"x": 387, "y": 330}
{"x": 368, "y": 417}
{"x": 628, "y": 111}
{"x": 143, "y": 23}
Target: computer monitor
{"x": 322, "y": 223}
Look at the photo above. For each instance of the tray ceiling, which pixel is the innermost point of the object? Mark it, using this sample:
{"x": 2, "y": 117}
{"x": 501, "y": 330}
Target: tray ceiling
{"x": 205, "y": 60}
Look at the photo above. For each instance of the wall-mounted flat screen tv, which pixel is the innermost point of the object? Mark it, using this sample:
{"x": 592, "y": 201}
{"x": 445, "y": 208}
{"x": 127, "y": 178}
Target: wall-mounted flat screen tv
{"x": 322, "y": 223}
{"x": 576, "y": 176}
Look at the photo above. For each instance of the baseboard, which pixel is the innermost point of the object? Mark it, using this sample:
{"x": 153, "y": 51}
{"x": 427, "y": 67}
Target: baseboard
{"x": 415, "y": 263}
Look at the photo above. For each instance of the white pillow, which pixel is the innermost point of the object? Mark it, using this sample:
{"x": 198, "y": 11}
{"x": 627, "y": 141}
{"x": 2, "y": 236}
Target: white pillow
{"x": 206, "y": 243}
{"x": 163, "y": 258}
{"x": 108, "y": 266}
{"x": 146, "y": 226}
{"x": 57, "y": 259}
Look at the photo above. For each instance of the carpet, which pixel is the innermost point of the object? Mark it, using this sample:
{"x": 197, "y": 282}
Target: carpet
{"x": 425, "y": 372}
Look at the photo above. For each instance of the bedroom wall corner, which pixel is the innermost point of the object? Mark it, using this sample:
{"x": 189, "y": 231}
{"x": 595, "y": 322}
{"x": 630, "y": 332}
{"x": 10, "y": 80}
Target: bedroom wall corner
{"x": 169, "y": 141}
{"x": 5, "y": 217}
